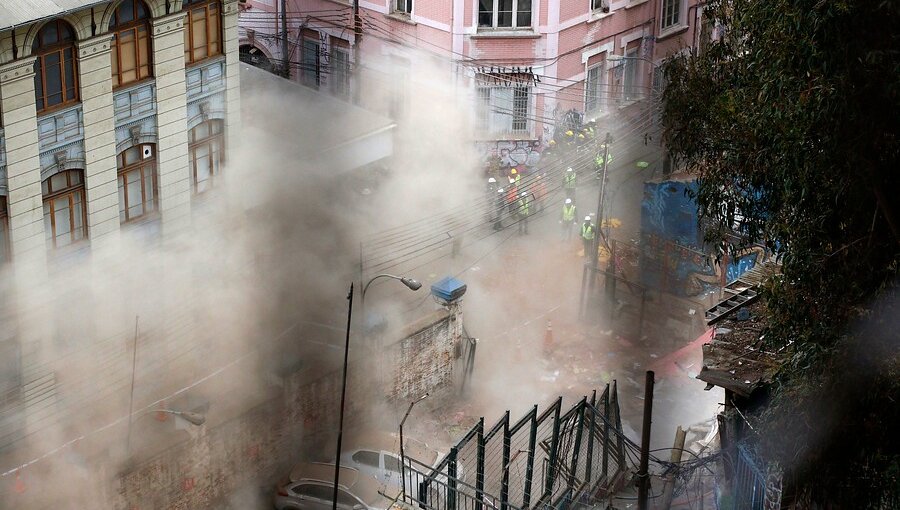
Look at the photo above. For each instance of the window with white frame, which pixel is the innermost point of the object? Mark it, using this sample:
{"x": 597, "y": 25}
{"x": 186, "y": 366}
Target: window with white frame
{"x": 504, "y": 13}
{"x": 593, "y": 89}
{"x": 630, "y": 86}
{"x": 403, "y": 6}
{"x": 671, "y": 14}
{"x": 600, "y": 5}
{"x": 504, "y": 109}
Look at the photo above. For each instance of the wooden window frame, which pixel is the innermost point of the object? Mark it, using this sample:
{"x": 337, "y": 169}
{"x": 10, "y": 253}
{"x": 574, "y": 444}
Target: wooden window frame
{"x": 69, "y": 191}
{"x": 59, "y": 48}
{"x": 192, "y": 154}
{"x": 141, "y": 165}
{"x": 132, "y": 26}
{"x": 189, "y": 49}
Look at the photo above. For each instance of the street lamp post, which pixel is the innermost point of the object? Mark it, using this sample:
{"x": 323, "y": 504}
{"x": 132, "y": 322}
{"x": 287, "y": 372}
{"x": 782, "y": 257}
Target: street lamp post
{"x": 409, "y": 282}
{"x": 402, "y": 454}
{"x": 412, "y": 285}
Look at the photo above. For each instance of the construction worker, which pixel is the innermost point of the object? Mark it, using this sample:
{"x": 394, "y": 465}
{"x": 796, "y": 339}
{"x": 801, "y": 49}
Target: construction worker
{"x": 540, "y": 192}
{"x": 524, "y": 209}
{"x": 568, "y": 219}
{"x": 499, "y": 204}
{"x": 491, "y": 186}
{"x": 569, "y": 182}
{"x": 588, "y": 230}
{"x": 514, "y": 177}
{"x": 512, "y": 196}
{"x": 598, "y": 161}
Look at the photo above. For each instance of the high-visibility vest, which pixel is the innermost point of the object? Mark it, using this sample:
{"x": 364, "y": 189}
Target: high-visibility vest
{"x": 569, "y": 212}
{"x": 523, "y": 206}
{"x": 599, "y": 160}
{"x": 569, "y": 180}
{"x": 587, "y": 231}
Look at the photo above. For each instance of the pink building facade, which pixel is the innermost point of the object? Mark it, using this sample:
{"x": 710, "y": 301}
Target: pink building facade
{"x": 529, "y": 62}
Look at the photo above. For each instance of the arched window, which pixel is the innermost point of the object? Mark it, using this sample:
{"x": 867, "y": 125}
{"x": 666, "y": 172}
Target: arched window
{"x": 55, "y": 66}
{"x": 206, "y": 154}
{"x": 137, "y": 182}
{"x": 64, "y": 208}
{"x": 131, "y": 51}
{"x": 202, "y": 30}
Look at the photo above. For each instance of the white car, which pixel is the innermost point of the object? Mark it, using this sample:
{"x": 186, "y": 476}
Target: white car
{"x": 310, "y": 486}
{"x": 377, "y": 455}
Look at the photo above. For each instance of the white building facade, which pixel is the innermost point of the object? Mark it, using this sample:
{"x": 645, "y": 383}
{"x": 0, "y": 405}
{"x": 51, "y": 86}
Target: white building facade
{"x": 114, "y": 113}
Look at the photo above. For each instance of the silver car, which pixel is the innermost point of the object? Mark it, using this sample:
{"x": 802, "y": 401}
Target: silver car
{"x": 310, "y": 486}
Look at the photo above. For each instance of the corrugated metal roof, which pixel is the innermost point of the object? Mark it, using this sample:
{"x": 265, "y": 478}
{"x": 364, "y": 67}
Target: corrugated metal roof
{"x": 19, "y": 12}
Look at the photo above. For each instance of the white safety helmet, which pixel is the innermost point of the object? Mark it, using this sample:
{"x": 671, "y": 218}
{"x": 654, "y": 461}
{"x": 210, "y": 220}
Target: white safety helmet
{"x": 492, "y": 180}
{"x": 587, "y": 218}
{"x": 568, "y": 201}
{"x": 523, "y": 194}
{"x": 569, "y": 169}
{"x": 500, "y": 190}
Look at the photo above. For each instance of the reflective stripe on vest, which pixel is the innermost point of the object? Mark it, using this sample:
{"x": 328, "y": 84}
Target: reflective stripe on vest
{"x": 569, "y": 180}
{"x": 587, "y": 231}
{"x": 568, "y": 213}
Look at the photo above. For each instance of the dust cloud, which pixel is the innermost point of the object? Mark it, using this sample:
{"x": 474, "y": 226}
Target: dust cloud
{"x": 222, "y": 300}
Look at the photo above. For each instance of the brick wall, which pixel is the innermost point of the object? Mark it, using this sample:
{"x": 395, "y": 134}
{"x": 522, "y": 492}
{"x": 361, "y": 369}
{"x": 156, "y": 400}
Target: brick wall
{"x": 265, "y": 441}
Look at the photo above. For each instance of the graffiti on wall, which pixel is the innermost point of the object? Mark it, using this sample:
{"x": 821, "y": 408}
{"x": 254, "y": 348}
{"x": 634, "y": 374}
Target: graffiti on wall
{"x": 673, "y": 257}
{"x": 513, "y": 152}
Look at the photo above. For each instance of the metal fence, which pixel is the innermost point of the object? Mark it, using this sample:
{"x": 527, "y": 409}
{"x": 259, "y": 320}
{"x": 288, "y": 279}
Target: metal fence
{"x": 749, "y": 483}
{"x": 546, "y": 459}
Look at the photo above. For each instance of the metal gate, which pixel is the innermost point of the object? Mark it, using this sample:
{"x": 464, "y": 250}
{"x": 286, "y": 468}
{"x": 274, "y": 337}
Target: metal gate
{"x": 547, "y": 459}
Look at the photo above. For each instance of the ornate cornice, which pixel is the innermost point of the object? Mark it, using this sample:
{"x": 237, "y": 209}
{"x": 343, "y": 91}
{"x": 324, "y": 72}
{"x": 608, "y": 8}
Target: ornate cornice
{"x": 94, "y": 47}
{"x": 168, "y": 24}
{"x": 17, "y": 70}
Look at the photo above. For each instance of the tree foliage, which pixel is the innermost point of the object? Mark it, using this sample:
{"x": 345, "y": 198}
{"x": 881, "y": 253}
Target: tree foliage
{"x": 791, "y": 121}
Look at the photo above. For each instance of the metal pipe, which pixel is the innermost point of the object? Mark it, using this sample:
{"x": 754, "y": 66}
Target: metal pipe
{"x": 131, "y": 400}
{"x": 402, "y": 454}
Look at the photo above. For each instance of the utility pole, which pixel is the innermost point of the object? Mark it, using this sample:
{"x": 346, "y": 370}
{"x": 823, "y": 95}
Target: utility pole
{"x": 596, "y": 244}
{"x": 357, "y": 40}
{"x": 643, "y": 470}
{"x": 285, "y": 65}
{"x": 337, "y": 457}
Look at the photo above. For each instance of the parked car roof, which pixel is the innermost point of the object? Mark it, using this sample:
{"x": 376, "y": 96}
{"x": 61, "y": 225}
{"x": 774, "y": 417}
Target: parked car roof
{"x": 324, "y": 472}
{"x": 390, "y": 442}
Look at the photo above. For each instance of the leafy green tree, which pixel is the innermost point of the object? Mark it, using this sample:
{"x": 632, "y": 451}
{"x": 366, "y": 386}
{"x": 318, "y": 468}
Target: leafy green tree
{"x": 790, "y": 118}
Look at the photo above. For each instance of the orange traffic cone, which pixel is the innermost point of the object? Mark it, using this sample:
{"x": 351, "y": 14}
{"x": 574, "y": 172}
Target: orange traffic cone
{"x": 19, "y": 486}
{"x": 548, "y": 340}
